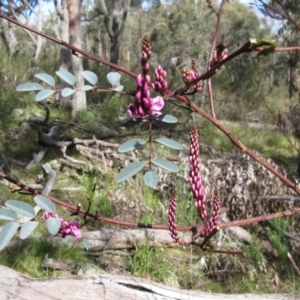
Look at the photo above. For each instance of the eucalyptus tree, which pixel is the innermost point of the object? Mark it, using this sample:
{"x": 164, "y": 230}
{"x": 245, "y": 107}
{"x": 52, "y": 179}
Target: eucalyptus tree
{"x": 23, "y": 11}
{"x": 286, "y": 15}
{"x": 115, "y": 17}
{"x": 69, "y": 13}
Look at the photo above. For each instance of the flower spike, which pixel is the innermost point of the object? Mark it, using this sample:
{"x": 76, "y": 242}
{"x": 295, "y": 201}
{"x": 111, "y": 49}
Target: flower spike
{"x": 172, "y": 222}
{"x": 195, "y": 175}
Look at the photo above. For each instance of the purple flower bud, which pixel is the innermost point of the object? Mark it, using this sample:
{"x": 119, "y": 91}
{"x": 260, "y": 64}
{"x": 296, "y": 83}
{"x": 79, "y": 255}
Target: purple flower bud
{"x": 146, "y": 67}
{"x": 148, "y": 79}
{"x": 139, "y": 80}
{"x": 172, "y": 222}
{"x": 145, "y": 88}
{"x": 138, "y": 96}
{"x": 158, "y": 86}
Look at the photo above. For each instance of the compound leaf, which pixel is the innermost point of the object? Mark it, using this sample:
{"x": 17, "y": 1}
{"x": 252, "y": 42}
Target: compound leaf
{"x": 66, "y": 76}
{"x": 132, "y": 123}
{"x": 46, "y": 78}
{"x": 169, "y": 143}
{"x": 167, "y": 118}
{"x": 27, "y": 229}
{"x": 43, "y": 94}
{"x": 53, "y": 225}
{"x": 87, "y": 88}
{"x": 21, "y": 208}
{"x": 113, "y": 78}
{"x": 151, "y": 179}
{"x": 6, "y": 214}
{"x": 7, "y": 233}
{"x": 89, "y": 76}
{"x": 166, "y": 164}
{"x": 29, "y": 86}
{"x": 131, "y": 145}
{"x": 118, "y": 88}
{"x": 130, "y": 171}
{"x": 66, "y": 92}
{"x": 44, "y": 203}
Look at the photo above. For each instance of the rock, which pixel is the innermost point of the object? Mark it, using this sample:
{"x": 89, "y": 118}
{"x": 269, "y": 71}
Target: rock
{"x": 90, "y": 269}
{"x": 17, "y": 112}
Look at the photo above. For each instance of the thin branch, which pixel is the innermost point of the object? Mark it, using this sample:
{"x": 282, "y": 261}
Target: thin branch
{"x": 104, "y": 219}
{"x": 211, "y": 55}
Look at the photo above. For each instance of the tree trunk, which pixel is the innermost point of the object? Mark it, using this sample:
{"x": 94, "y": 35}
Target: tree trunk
{"x": 69, "y": 13}
{"x": 39, "y": 39}
{"x": 8, "y": 35}
{"x": 79, "y": 98}
{"x": 116, "y": 30}
{"x": 65, "y": 53}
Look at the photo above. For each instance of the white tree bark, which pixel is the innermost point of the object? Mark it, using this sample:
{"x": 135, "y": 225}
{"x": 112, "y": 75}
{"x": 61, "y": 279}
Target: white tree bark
{"x": 79, "y": 98}
{"x": 69, "y": 13}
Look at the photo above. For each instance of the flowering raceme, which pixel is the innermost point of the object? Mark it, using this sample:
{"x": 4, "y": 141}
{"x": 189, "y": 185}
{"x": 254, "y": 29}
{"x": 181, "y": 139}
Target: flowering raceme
{"x": 66, "y": 228}
{"x": 195, "y": 175}
{"x": 144, "y": 105}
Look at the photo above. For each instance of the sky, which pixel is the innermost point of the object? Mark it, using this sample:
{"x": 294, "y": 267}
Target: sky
{"x": 48, "y": 7}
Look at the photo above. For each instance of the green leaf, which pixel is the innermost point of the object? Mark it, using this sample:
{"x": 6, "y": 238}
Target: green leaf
{"x": 44, "y": 94}
{"x": 130, "y": 171}
{"x": 132, "y": 123}
{"x": 86, "y": 244}
{"x": 167, "y": 118}
{"x": 46, "y": 78}
{"x": 131, "y": 145}
{"x": 7, "y": 233}
{"x": 89, "y": 76}
{"x": 269, "y": 46}
{"x": 66, "y": 76}
{"x": 27, "y": 229}
{"x": 44, "y": 203}
{"x": 21, "y": 208}
{"x": 165, "y": 164}
{"x": 66, "y": 92}
{"x": 119, "y": 88}
{"x": 151, "y": 179}
{"x": 53, "y": 225}
{"x": 113, "y": 78}
{"x": 29, "y": 86}
{"x": 87, "y": 88}
{"x": 6, "y": 214}
{"x": 169, "y": 143}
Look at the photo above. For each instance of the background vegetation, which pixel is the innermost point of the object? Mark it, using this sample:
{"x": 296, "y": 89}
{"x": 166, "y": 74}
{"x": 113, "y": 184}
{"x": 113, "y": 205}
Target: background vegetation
{"x": 249, "y": 89}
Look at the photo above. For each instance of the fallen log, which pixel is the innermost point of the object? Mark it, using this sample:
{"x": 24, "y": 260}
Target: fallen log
{"x": 106, "y": 287}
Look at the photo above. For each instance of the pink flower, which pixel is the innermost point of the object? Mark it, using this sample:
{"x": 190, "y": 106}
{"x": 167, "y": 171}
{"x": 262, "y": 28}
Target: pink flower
{"x": 66, "y": 228}
{"x": 71, "y": 228}
{"x": 75, "y": 230}
{"x": 160, "y": 83}
{"x": 48, "y": 214}
{"x": 156, "y": 106}
{"x": 147, "y": 106}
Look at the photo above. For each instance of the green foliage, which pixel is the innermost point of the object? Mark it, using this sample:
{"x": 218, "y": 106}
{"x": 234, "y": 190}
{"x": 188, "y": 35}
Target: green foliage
{"x": 35, "y": 251}
{"x": 255, "y": 254}
{"x": 280, "y": 242}
{"x": 149, "y": 263}
{"x": 111, "y": 109}
{"x": 96, "y": 195}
